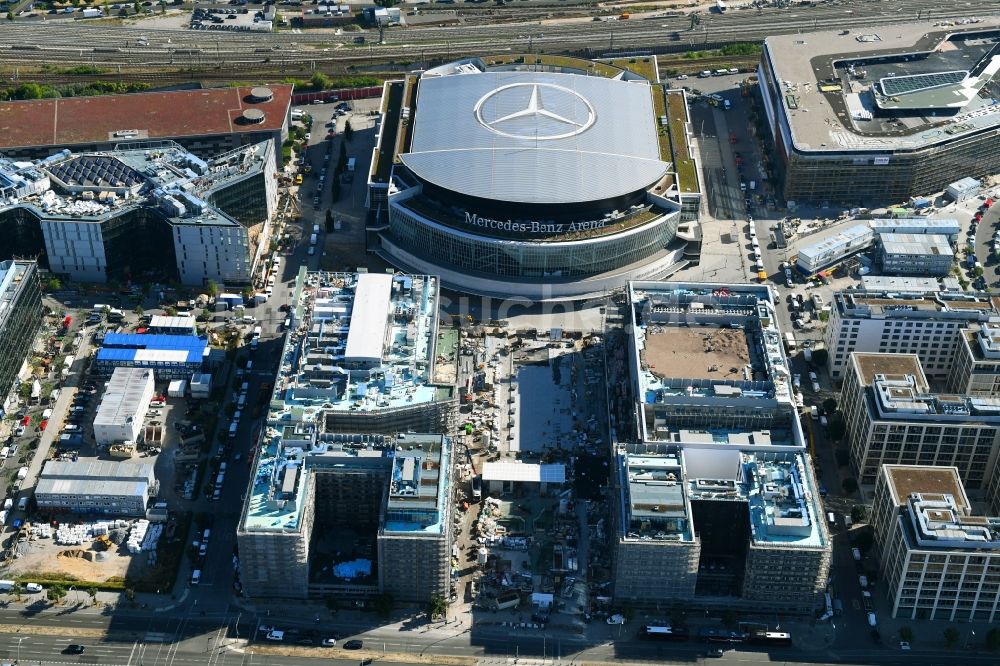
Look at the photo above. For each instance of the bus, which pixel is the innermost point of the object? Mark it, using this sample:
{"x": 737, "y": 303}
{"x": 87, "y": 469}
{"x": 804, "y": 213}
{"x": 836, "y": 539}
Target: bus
{"x": 664, "y": 633}
{"x": 771, "y": 638}
{"x": 720, "y": 6}
{"x": 712, "y": 635}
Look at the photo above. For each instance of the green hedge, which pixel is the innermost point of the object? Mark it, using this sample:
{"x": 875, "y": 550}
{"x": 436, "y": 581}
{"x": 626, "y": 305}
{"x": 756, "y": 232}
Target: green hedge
{"x": 114, "y": 584}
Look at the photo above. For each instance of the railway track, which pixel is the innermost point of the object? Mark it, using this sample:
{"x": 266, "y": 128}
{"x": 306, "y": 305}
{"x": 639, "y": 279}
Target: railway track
{"x": 110, "y": 46}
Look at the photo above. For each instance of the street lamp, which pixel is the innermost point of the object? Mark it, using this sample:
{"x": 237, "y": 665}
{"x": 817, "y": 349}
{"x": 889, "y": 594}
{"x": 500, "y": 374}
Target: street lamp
{"x": 19, "y": 648}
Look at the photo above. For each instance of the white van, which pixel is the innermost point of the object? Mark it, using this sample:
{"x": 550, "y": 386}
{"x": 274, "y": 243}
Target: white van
{"x": 275, "y": 635}
{"x": 4, "y": 453}
{"x": 22, "y": 504}
{"x": 196, "y": 576}
{"x": 232, "y": 430}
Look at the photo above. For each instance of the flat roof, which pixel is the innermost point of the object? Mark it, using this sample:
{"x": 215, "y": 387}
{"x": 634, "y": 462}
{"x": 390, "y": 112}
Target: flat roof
{"x": 916, "y": 244}
{"x": 163, "y": 321}
{"x": 369, "y": 318}
{"x": 891, "y": 304}
{"x": 536, "y": 137}
{"x": 913, "y": 284}
{"x": 905, "y": 480}
{"x": 151, "y": 347}
{"x": 124, "y": 400}
{"x": 830, "y": 108}
{"x": 69, "y": 121}
{"x": 892, "y": 365}
{"x": 527, "y": 472}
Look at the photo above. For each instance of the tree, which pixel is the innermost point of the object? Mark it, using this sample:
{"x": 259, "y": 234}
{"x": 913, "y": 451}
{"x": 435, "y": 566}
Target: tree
{"x": 348, "y": 131}
{"x": 320, "y": 81}
{"x": 906, "y": 634}
{"x": 25, "y": 390}
{"x": 383, "y": 604}
{"x": 836, "y": 429}
{"x": 17, "y": 590}
{"x": 211, "y": 288}
{"x": 864, "y": 541}
{"x": 951, "y": 636}
{"x": 830, "y": 405}
{"x": 205, "y": 315}
{"x": 139, "y": 310}
{"x": 843, "y": 457}
{"x": 55, "y": 593}
{"x": 170, "y": 311}
{"x": 10, "y": 16}
{"x": 335, "y": 189}
{"x": 92, "y": 593}
{"x": 53, "y": 284}
{"x": 819, "y": 357}
{"x": 437, "y": 606}
{"x": 993, "y": 638}
{"x": 329, "y": 220}
{"x": 849, "y": 485}
{"x": 342, "y": 156}
{"x": 135, "y": 6}
{"x": 247, "y": 293}
{"x": 859, "y": 513}
{"x": 978, "y": 272}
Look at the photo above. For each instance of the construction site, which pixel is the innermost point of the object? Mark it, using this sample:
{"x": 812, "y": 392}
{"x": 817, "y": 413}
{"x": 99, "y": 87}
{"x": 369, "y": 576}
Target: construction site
{"x": 531, "y": 477}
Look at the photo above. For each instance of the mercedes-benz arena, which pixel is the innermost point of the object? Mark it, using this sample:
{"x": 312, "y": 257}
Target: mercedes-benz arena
{"x": 533, "y": 182}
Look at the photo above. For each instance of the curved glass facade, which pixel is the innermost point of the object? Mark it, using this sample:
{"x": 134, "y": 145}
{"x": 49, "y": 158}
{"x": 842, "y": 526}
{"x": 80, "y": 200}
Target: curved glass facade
{"x": 525, "y": 259}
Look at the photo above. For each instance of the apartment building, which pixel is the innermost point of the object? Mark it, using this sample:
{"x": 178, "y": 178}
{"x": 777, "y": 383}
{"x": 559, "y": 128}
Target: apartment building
{"x": 893, "y": 418}
{"x": 899, "y": 322}
{"x": 938, "y": 560}
{"x": 716, "y": 499}
{"x": 341, "y": 468}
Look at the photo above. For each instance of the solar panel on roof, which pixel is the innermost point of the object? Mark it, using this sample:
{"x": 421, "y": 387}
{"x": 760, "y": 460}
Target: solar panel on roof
{"x": 904, "y": 85}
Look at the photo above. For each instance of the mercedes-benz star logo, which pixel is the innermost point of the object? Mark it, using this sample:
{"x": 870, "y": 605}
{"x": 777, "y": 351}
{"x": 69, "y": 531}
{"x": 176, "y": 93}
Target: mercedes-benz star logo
{"x": 533, "y": 120}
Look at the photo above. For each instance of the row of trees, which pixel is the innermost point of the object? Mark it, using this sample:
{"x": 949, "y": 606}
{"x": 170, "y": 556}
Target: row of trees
{"x": 952, "y": 636}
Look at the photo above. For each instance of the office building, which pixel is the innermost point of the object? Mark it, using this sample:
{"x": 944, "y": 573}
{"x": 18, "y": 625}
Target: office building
{"x": 356, "y": 382}
{"x": 206, "y": 122}
{"x": 169, "y": 356}
{"x": 915, "y": 254}
{"x": 938, "y": 559}
{"x": 894, "y": 322}
{"x": 123, "y": 406}
{"x": 893, "y": 418}
{"x": 716, "y": 501}
{"x": 157, "y": 212}
{"x": 533, "y": 177}
{"x": 96, "y": 487}
{"x": 976, "y": 370}
{"x": 881, "y": 113}
{"x": 20, "y": 318}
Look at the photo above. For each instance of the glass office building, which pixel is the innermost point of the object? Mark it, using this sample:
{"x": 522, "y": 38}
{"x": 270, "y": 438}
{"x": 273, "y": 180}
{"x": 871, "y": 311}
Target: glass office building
{"x": 20, "y": 317}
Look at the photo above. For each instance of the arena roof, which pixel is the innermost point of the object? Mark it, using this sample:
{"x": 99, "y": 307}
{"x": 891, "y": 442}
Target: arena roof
{"x": 158, "y": 115}
{"x": 535, "y": 137}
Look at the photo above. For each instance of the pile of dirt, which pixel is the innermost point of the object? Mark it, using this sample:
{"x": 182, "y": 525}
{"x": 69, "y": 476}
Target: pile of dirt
{"x": 78, "y": 553}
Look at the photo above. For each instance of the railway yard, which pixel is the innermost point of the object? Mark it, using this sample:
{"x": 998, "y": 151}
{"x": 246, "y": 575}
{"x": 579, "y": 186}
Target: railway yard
{"x": 136, "y": 52}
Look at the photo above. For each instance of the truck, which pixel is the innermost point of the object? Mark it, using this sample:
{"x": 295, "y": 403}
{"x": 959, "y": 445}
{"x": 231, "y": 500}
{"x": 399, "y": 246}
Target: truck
{"x": 92, "y": 13}
{"x": 7, "y": 585}
{"x": 790, "y": 342}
